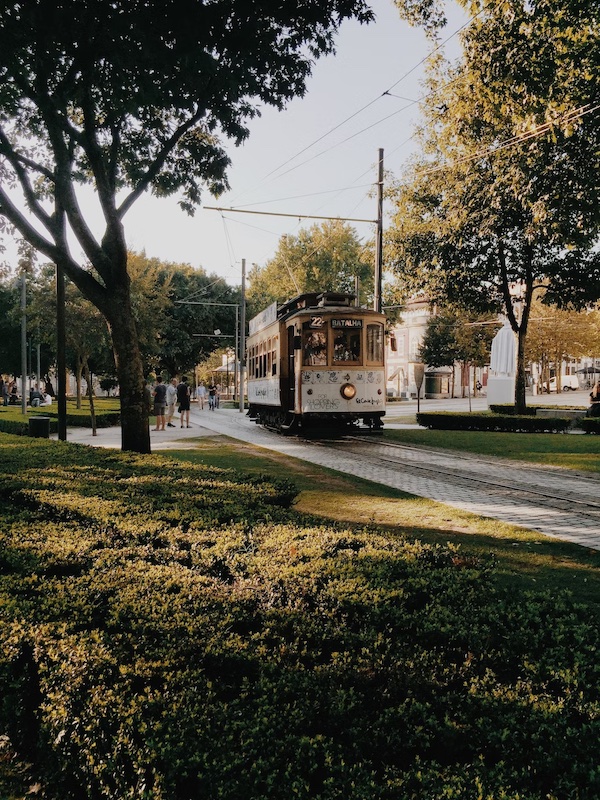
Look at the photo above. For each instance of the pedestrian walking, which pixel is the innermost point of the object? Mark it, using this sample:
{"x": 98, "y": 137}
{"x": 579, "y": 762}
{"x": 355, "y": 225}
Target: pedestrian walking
{"x": 212, "y": 395}
{"x": 171, "y": 401}
{"x": 201, "y": 395}
{"x": 183, "y": 398}
{"x": 160, "y": 403}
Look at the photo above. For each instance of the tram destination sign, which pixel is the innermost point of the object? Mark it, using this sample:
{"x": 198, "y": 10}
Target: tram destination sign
{"x": 346, "y": 323}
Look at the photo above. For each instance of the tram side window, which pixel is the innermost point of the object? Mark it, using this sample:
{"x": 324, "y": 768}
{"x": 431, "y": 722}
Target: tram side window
{"x": 375, "y": 344}
{"x": 346, "y": 346}
{"x": 314, "y": 347}
{"x": 274, "y": 357}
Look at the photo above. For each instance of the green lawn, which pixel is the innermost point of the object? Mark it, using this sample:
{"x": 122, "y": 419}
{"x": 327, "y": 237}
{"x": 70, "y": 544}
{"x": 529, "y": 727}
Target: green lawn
{"x": 571, "y": 451}
{"x": 171, "y": 629}
{"x": 526, "y": 559}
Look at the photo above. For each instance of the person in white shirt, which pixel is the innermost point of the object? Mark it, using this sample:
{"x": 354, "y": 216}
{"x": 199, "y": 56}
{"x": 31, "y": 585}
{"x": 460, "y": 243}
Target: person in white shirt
{"x": 171, "y": 400}
{"x": 201, "y": 394}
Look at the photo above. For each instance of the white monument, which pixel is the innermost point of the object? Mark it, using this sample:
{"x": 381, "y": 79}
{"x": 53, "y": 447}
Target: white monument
{"x": 503, "y": 366}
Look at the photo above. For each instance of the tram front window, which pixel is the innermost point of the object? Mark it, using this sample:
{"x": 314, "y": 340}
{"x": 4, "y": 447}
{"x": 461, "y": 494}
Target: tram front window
{"x": 315, "y": 348}
{"x": 346, "y": 346}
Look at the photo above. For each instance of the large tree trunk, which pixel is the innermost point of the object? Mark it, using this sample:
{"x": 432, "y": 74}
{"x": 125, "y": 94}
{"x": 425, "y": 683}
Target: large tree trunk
{"x": 135, "y": 431}
{"x": 520, "y": 381}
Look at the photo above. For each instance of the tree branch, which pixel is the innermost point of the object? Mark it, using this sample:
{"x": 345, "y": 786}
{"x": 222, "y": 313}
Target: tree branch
{"x": 27, "y": 231}
{"x": 158, "y": 162}
{"x": 17, "y": 162}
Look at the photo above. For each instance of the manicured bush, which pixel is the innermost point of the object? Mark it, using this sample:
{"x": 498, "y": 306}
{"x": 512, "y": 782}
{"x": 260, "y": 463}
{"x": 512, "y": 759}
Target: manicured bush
{"x": 590, "y": 424}
{"x": 14, "y": 422}
{"x": 508, "y": 409}
{"x": 171, "y": 632}
{"x": 450, "y": 421}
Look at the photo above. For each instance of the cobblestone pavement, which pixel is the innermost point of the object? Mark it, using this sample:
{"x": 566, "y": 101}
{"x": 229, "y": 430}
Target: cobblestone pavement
{"x": 498, "y": 488}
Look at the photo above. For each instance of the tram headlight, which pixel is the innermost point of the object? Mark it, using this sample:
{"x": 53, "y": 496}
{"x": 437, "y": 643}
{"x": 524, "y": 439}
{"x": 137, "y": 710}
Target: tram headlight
{"x": 348, "y": 391}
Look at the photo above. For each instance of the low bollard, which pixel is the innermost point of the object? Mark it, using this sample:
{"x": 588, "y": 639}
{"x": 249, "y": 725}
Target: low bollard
{"x": 39, "y": 427}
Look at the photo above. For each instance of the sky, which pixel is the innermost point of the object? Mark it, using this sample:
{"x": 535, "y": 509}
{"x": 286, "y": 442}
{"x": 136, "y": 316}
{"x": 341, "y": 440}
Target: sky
{"x": 309, "y": 159}
{"x": 273, "y": 172}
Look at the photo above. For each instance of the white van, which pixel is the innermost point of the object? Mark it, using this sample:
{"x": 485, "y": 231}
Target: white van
{"x": 569, "y": 383}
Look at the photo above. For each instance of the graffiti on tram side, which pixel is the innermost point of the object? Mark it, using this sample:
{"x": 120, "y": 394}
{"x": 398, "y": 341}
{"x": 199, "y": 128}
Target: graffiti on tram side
{"x": 339, "y": 376}
{"x": 266, "y": 391}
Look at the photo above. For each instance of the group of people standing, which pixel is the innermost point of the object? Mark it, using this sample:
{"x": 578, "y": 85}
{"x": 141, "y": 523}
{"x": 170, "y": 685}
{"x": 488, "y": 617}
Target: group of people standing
{"x": 166, "y": 396}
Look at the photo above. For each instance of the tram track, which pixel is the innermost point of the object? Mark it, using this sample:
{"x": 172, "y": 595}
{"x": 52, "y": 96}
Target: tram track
{"x": 555, "y": 502}
{"x": 548, "y": 488}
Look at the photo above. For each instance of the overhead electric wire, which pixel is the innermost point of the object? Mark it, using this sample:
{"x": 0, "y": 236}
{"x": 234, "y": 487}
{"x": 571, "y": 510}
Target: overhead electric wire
{"x": 300, "y": 196}
{"x": 387, "y": 92}
{"x": 514, "y": 141}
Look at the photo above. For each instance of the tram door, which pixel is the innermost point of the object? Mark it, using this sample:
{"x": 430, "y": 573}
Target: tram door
{"x": 290, "y": 398}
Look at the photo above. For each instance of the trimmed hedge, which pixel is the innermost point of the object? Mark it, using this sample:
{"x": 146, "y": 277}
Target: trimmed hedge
{"x": 450, "y": 421}
{"x": 20, "y": 427}
{"x": 590, "y": 424}
{"x": 171, "y": 632}
{"x": 508, "y": 409}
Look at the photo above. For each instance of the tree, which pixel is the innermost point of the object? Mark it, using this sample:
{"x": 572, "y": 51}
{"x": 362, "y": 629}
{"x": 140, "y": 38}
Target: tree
{"x": 557, "y": 334}
{"x": 199, "y": 305}
{"x": 10, "y": 330}
{"x": 129, "y": 97}
{"x": 505, "y": 196}
{"x": 326, "y": 257}
{"x": 454, "y": 336}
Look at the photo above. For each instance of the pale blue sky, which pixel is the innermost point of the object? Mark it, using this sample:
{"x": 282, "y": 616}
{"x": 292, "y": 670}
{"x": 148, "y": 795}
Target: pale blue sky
{"x": 332, "y": 177}
{"x": 369, "y": 60}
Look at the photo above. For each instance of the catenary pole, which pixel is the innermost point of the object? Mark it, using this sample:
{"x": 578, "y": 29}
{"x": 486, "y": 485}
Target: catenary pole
{"x": 24, "y": 389}
{"x": 379, "y": 236}
{"x": 61, "y": 355}
{"x": 242, "y": 334}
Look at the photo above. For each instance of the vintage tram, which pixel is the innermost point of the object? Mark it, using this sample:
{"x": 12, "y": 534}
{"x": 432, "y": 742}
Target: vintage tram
{"x": 316, "y": 360}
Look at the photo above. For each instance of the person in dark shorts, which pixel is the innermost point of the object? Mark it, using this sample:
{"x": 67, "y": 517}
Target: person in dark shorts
{"x": 212, "y": 394}
{"x": 160, "y": 403}
{"x": 183, "y": 398}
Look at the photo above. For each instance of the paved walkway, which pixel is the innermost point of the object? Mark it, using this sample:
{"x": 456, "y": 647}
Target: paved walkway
{"x": 519, "y": 495}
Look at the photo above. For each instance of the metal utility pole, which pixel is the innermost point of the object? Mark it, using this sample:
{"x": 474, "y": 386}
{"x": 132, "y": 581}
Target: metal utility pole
{"x": 39, "y": 360}
{"x": 379, "y": 236}
{"x": 23, "y": 342}
{"x": 242, "y": 334}
{"x": 61, "y": 354}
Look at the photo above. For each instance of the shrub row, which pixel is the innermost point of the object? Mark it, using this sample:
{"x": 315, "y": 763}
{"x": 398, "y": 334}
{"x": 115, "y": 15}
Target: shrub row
{"x": 590, "y": 424}
{"x": 20, "y": 426}
{"x": 508, "y": 409}
{"x": 447, "y": 420}
{"x": 172, "y": 631}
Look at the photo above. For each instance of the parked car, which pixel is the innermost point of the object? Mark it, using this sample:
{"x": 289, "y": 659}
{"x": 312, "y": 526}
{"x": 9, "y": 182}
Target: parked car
{"x": 569, "y": 383}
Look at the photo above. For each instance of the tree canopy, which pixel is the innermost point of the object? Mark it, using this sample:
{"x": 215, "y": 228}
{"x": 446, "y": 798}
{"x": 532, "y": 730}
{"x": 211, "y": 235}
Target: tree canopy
{"x": 129, "y": 97}
{"x": 326, "y": 257}
{"x": 505, "y": 193}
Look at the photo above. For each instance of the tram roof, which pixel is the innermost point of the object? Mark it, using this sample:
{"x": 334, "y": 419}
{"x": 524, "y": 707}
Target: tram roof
{"x": 316, "y": 300}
